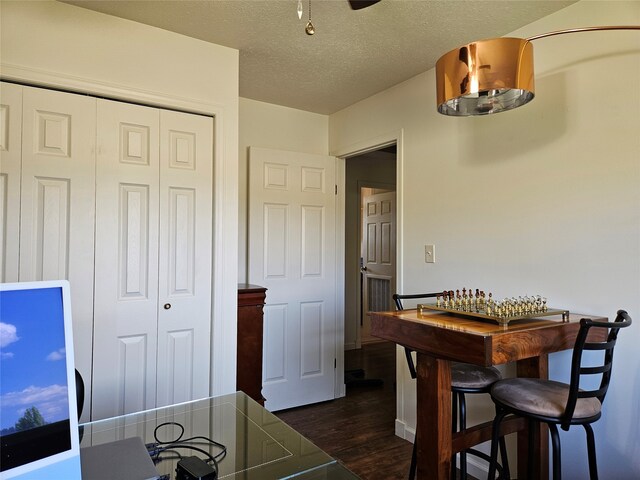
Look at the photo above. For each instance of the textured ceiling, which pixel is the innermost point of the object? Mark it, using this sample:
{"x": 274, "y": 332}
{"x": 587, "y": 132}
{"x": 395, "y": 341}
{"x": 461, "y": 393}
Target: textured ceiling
{"x": 354, "y": 53}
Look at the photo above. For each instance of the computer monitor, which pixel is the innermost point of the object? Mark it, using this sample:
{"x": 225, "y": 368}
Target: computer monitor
{"x": 38, "y": 414}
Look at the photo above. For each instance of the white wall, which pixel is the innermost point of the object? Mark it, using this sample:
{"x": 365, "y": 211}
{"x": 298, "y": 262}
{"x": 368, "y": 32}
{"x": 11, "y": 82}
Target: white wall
{"x": 271, "y": 126}
{"x": 54, "y": 44}
{"x": 541, "y": 200}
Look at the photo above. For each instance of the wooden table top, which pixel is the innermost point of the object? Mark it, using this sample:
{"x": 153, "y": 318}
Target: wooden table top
{"x": 466, "y": 339}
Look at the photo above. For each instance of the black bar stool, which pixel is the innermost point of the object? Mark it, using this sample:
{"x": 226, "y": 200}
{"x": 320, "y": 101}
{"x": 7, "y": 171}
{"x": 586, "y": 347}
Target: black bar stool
{"x": 557, "y": 403}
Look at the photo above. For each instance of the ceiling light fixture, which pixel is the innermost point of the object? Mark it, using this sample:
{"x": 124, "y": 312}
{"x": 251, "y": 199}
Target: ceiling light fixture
{"x": 299, "y": 9}
{"x": 492, "y": 76}
{"x": 360, "y": 4}
{"x": 310, "y": 29}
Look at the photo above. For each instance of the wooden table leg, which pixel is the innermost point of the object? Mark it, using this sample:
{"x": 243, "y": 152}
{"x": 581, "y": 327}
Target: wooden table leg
{"x": 434, "y": 418}
{"x": 536, "y": 367}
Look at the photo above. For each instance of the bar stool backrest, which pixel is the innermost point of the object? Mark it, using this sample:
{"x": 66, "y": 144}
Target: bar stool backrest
{"x": 622, "y": 320}
{"x": 397, "y": 298}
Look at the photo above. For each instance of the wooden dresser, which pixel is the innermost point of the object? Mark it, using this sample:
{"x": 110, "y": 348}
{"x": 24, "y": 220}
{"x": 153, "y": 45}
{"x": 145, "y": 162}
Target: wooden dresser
{"x": 251, "y": 299}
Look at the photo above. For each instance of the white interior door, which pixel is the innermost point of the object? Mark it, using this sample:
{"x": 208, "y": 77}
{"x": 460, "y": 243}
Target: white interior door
{"x": 126, "y": 285}
{"x": 292, "y": 254}
{"x": 184, "y": 318}
{"x": 378, "y": 257}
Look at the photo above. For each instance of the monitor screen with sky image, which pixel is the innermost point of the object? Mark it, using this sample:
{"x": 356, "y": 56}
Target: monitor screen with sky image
{"x": 38, "y": 417}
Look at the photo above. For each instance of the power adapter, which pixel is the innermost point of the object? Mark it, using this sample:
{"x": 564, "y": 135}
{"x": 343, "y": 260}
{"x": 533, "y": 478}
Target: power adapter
{"x": 194, "y": 468}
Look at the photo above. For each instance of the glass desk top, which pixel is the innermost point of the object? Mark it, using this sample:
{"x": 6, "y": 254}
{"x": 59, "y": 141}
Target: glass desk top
{"x": 259, "y": 445}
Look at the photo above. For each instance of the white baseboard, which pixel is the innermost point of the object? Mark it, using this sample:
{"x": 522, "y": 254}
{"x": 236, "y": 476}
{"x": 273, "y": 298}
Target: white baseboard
{"x": 476, "y": 467}
{"x": 404, "y": 432}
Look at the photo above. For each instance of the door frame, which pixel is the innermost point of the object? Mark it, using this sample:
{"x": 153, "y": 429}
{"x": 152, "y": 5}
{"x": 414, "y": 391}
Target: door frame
{"x": 342, "y": 155}
{"x": 225, "y": 197}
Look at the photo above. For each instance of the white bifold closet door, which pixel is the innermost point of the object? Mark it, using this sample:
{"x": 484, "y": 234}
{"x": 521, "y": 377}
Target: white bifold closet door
{"x": 10, "y": 167}
{"x": 126, "y": 188}
{"x": 47, "y": 188}
{"x": 185, "y": 257}
{"x": 153, "y": 258}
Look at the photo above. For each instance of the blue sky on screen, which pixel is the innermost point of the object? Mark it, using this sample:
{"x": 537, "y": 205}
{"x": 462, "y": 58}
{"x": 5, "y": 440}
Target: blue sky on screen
{"x": 33, "y": 369}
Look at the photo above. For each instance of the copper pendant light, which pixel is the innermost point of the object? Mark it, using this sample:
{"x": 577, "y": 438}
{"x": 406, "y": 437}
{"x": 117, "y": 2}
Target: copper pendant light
{"x": 492, "y": 76}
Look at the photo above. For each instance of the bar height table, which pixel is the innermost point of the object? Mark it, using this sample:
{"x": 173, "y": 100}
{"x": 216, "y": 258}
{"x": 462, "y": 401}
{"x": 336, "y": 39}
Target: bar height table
{"x": 440, "y": 338}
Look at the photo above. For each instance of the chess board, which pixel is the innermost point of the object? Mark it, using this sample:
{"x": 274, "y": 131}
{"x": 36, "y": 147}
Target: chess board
{"x": 501, "y": 319}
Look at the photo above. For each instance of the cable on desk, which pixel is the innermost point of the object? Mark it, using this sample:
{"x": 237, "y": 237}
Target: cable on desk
{"x": 158, "y": 447}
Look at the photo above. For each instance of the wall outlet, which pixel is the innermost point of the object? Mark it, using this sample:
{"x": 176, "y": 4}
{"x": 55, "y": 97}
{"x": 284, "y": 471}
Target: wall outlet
{"x": 429, "y": 254}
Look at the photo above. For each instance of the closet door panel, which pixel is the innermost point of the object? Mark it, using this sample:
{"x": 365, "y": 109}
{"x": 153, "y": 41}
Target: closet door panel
{"x": 126, "y": 303}
{"x": 58, "y": 203}
{"x": 184, "y": 321}
{"x": 10, "y": 160}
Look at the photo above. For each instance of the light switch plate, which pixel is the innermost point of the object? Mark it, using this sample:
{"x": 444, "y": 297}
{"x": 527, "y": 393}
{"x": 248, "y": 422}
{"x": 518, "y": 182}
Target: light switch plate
{"x": 430, "y": 254}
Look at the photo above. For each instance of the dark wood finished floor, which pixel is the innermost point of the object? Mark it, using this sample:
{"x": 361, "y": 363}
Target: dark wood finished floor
{"x": 358, "y": 429}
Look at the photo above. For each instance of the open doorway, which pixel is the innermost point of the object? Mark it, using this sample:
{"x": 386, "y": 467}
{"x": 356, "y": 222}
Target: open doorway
{"x": 377, "y": 255}
{"x": 370, "y": 183}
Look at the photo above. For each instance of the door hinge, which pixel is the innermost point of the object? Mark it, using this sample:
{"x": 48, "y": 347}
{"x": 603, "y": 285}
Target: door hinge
{"x": 336, "y": 189}
{"x": 335, "y": 363}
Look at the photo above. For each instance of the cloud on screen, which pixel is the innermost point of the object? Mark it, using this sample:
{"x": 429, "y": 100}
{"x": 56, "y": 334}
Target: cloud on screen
{"x": 8, "y": 334}
{"x": 56, "y": 355}
{"x": 51, "y": 401}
